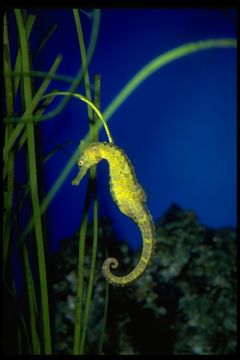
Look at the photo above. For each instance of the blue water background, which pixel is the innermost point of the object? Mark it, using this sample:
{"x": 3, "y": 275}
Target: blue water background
{"x": 178, "y": 128}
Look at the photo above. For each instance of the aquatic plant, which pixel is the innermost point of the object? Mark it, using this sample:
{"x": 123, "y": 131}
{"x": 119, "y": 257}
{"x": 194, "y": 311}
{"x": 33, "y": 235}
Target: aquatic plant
{"x": 40, "y": 341}
{"x": 26, "y": 238}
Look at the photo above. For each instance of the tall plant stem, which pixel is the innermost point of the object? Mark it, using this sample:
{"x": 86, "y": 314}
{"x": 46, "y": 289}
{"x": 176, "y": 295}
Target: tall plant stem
{"x": 34, "y": 187}
{"x": 8, "y": 194}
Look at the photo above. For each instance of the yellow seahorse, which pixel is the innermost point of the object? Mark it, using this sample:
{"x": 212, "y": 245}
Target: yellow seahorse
{"x": 130, "y": 198}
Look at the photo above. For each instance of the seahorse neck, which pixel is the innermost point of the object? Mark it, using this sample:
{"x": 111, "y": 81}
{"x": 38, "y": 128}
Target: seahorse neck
{"x": 108, "y": 151}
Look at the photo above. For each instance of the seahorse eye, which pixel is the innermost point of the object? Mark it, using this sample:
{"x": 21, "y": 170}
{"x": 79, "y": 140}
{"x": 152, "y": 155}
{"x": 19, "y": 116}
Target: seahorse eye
{"x": 80, "y": 163}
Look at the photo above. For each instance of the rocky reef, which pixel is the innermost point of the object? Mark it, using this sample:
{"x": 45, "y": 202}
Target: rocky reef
{"x": 185, "y": 303}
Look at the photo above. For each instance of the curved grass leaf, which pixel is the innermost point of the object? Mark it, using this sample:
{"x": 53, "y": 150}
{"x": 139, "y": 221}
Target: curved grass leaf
{"x": 44, "y": 40}
{"x": 32, "y": 303}
{"x": 18, "y": 64}
{"x": 160, "y": 61}
{"x": 77, "y": 79}
{"x": 30, "y": 107}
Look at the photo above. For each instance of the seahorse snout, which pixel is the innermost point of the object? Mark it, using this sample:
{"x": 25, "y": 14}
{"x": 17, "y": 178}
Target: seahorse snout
{"x": 79, "y": 176}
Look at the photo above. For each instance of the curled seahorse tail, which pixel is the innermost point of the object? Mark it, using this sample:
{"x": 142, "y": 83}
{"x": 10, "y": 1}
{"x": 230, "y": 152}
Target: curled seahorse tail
{"x": 112, "y": 263}
{"x": 148, "y": 232}
{"x": 107, "y": 265}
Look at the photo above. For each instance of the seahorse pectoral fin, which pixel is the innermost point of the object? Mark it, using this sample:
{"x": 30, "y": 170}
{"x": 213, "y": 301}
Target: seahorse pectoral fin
{"x": 79, "y": 176}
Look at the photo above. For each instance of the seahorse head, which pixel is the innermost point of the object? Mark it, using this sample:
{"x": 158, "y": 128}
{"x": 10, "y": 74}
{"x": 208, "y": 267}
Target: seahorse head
{"x": 90, "y": 156}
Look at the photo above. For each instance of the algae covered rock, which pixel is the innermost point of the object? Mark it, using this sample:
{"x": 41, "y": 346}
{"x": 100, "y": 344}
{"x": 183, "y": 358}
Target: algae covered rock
{"x": 185, "y": 303}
